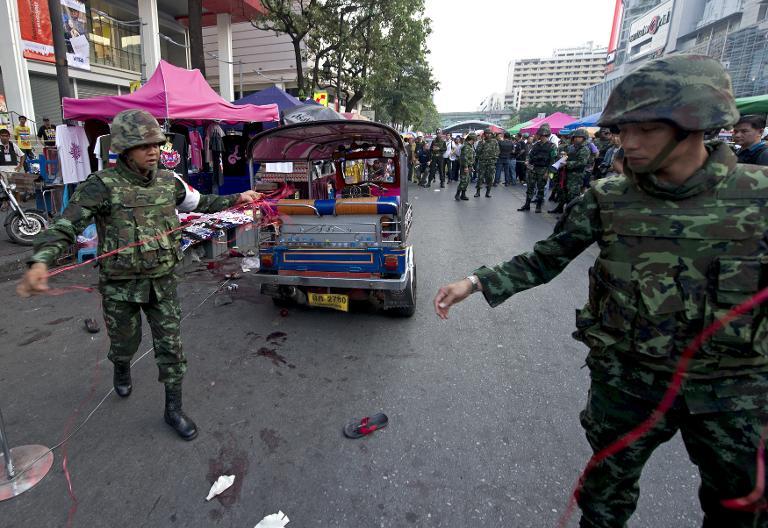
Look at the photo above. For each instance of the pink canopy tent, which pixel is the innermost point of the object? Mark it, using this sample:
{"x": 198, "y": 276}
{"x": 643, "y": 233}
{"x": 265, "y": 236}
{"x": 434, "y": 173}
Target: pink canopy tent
{"x": 171, "y": 93}
{"x": 555, "y": 121}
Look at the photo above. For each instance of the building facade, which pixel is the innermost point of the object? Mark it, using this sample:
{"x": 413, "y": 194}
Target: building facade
{"x": 492, "y": 103}
{"x": 559, "y": 79}
{"x": 732, "y": 31}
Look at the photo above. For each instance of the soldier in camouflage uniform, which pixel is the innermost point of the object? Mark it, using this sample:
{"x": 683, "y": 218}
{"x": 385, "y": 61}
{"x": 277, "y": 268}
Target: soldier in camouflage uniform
{"x": 540, "y": 158}
{"x": 436, "y": 148}
{"x": 467, "y": 161}
{"x": 578, "y": 157}
{"x": 486, "y": 163}
{"x": 134, "y": 207}
{"x": 682, "y": 238}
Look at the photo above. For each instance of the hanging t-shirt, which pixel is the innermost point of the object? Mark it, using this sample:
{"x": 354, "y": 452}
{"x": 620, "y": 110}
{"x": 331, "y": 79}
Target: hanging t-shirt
{"x": 196, "y": 149}
{"x": 103, "y": 153}
{"x": 234, "y": 156}
{"x": 72, "y": 145}
{"x": 47, "y": 135}
{"x": 23, "y": 136}
{"x": 173, "y": 155}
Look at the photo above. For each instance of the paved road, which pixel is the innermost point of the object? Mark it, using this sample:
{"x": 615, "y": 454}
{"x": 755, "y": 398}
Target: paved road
{"x": 483, "y": 408}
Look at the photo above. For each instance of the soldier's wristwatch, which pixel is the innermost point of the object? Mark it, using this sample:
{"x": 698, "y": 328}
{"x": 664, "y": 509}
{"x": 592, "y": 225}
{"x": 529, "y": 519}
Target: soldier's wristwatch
{"x": 475, "y": 282}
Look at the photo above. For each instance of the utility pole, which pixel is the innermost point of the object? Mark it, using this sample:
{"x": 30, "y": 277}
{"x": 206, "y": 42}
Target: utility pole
{"x": 195, "y": 34}
{"x": 59, "y": 48}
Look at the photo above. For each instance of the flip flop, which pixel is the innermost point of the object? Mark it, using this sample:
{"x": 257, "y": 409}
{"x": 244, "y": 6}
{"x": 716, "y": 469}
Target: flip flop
{"x": 365, "y": 426}
{"x": 92, "y": 326}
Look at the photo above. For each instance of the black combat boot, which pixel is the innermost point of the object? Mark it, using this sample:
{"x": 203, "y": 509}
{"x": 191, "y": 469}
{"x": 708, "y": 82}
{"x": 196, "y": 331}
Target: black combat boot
{"x": 442, "y": 185}
{"x": 557, "y": 210}
{"x": 526, "y": 206}
{"x": 477, "y": 193}
{"x": 457, "y": 196}
{"x": 487, "y": 192}
{"x": 538, "y": 206}
{"x": 464, "y": 195}
{"x": 122, "y": 379}
{"x": 175, "y": 417}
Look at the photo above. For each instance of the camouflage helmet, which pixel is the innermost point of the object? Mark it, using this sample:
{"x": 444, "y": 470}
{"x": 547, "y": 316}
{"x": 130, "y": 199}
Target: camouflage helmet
{"x": 692, "y": 91}
{"x": 471, "y": 136}
{"x": 544, "y": 130}
{"x": 133, "y": 128}
{"x": 580, "y": 132}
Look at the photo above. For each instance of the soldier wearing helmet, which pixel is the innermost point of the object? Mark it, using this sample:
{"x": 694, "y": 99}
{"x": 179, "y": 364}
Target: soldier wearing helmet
{"x": 466, "y": 163}
{"x": 682, "y": 241}
{"x": 577, "y": 158}
{"x": 487, "y": 154}
{"x": 134, "y": 207}
{"x": 540, "y": 157}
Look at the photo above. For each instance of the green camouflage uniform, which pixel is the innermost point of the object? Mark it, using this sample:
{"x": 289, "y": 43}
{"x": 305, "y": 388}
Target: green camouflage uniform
{"x": 673, "y": 259}
{"x": 127, "y": 208}
{"x": 437, "y": 148}
{"x": 486, "y": 159}
{"x": 467, "y": 160}
{"x": 575, "y": 166}
{"x": 541, "y": 156}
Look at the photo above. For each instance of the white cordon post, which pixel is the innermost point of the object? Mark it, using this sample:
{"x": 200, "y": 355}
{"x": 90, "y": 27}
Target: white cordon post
{"x": 23, "y": 467}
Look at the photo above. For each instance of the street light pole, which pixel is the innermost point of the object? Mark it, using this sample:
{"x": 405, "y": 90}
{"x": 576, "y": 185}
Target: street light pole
{"x": 59, "y": 48}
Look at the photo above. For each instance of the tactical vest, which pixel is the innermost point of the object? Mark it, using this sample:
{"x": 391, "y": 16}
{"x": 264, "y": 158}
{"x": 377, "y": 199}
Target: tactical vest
{"x": 137, "y": 228}
{"x": 668, "y": 269}
{"x": 12, "y": 152}
{"x": 541, "y": 154}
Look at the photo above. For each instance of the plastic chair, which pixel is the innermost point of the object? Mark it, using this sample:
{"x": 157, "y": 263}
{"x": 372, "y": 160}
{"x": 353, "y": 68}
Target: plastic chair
{"x": 90, "y": 252}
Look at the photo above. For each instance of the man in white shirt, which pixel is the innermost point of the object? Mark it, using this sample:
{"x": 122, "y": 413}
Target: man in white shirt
{"x": 11, "y": 156}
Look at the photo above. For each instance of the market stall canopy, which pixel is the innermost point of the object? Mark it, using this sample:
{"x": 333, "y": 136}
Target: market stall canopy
{"x": 757, "y": 104}
{"x": 306, "y": 113}
{"x": 270, "y": 95}
{"x": 584, "y": 122}
{"x": 518, "y": 127}
{"x": 556, "y": 122}
{"x": 171, "y": 93}
{"x": 317, "y": 141}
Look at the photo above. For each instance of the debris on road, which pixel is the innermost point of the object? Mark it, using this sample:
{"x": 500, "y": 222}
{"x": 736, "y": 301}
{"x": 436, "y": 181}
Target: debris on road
{"x": 222, "y": 483}
{"x": 276, "y": 520}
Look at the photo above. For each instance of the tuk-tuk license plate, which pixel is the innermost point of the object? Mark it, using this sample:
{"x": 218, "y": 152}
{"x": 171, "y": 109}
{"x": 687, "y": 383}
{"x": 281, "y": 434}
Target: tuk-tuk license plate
{"x": 329, "y": 300}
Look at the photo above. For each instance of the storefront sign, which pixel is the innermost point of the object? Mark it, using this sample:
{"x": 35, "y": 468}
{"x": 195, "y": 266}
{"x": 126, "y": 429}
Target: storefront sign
{"x": 37, "y": 38}
{"x": 648, "y": 34}
{"x": 321, "y": 97}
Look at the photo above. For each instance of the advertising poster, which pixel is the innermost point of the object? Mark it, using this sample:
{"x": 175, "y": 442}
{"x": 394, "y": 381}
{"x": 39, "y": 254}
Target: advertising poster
{"x": 76, "y": 34}
{"x": 35, "y": 26}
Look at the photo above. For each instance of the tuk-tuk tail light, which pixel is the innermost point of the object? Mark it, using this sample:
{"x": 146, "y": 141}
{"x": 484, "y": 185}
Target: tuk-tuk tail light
{"x": 391, "y": 262}
{"x": 267, "y": 260}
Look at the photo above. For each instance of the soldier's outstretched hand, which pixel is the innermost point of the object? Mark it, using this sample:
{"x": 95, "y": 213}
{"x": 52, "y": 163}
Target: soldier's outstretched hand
{"x": 248, "y": 197}
{"x": 451, "y": 294}
{"x": 35, "y": 280}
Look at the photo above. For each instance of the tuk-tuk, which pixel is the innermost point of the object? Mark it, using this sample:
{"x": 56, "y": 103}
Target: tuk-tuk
{"x": 342, "y": 234}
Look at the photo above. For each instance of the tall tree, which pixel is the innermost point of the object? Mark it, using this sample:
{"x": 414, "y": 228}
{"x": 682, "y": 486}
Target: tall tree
{"x": 196, "y": 52}
{"x": 294, "y": 18}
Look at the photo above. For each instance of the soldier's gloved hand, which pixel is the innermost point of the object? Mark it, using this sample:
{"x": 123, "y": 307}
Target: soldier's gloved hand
{"x": 451, "y": 294}
{"x": 248, "y": 197}
{"x": 35, "y": 281}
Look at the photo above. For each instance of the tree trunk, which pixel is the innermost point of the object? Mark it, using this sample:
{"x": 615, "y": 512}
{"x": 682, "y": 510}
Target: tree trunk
{"x": 352, "y": 102}
{"x": 196, "y": 52}
{"x": 299, "y": 69}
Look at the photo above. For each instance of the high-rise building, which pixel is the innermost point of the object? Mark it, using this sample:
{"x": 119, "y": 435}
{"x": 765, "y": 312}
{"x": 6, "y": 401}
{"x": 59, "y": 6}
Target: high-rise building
{"x": 559, "y": 79}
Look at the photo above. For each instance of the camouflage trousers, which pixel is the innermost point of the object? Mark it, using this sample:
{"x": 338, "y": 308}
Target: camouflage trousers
{"x": 123, "y": 322}
{"x": 464, "y": 179}
{"x": 573, "y": 185}
{"x": 537, "y": 181}
{"x": 485, "y": 173}
{"x": 723, "y": 445}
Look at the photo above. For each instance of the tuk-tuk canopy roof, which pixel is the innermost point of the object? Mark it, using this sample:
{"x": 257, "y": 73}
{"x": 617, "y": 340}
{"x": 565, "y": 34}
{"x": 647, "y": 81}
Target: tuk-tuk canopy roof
{"x": 318, "y": 140}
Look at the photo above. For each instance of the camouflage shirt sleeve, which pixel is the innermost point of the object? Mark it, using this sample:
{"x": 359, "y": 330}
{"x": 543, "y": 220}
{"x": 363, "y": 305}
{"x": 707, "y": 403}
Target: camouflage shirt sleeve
{"x": 578, "y": 159}
{"x": 209, "y": 203}
{"x": 91, "y": 198}
{"x": 577, "y": 229}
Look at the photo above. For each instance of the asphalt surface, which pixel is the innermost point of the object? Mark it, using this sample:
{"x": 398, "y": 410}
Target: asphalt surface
{"x": 483, "y": 408}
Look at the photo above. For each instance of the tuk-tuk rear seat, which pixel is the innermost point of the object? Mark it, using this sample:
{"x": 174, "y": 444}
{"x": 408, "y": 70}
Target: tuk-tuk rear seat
{"x": 374, "y": 205}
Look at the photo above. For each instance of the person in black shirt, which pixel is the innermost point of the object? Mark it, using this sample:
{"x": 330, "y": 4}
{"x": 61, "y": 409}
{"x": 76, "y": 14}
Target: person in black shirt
{"x": 47, "y": 133}
{"x": 506, "y": 161}
{"x": 747, "y": 134}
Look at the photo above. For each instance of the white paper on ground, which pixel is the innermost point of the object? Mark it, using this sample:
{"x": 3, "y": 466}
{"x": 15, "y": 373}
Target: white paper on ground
{"x": 276, "y": 520}
{"x": 222, "y": 484}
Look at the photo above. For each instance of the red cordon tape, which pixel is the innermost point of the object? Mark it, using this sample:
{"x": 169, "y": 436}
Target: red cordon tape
{"x": 752, "y": 502}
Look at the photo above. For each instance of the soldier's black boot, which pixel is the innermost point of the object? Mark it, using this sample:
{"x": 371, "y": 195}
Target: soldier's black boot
{"x": 477, "y": 193}
{"x": 464, "y": 195}
{"x": 526, "y": 206}
{"x": 457, "y": 196}
{"x": 122, "y": 379}
{"x": 538, "y": 206}
{"x": 557, "y": 210}
{"x": 175, "y": 417}
{"x": 487, "y": 192}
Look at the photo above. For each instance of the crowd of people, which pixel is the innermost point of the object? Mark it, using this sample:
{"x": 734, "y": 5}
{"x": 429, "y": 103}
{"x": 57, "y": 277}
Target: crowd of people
{"x": 562, "y": 164}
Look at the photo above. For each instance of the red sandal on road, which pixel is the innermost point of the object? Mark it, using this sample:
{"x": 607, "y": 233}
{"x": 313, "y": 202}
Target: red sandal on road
{"x": 365, "y": 426}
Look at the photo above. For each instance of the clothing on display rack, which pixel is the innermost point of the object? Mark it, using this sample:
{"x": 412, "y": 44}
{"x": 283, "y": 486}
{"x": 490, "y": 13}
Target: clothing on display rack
{"x": 105, "y": 156}
{"x": 234, "y": 156}
{"x": 196, "y": 150}
{"x": 72, "y": 146}
{"x": 173, "y": 155}
{"x": 214, "y": 148}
